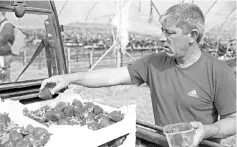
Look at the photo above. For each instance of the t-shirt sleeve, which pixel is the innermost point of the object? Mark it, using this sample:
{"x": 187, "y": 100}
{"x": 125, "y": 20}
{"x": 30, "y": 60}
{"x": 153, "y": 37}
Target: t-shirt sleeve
{"x": 225, "y": 99}
{"x": 138, "y": 71}
{"x": 7, "y": 33}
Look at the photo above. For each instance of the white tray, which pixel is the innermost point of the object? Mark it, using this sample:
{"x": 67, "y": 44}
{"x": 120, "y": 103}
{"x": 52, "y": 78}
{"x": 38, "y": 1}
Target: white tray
{"x": 76, "y": 136}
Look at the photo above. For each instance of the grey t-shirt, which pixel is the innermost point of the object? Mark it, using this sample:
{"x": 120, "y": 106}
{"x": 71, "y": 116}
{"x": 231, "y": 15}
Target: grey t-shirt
{"x": 197, "y": 93}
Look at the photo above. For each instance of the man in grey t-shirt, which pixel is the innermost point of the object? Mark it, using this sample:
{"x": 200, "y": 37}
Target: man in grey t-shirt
{"x": 186, "y": 84}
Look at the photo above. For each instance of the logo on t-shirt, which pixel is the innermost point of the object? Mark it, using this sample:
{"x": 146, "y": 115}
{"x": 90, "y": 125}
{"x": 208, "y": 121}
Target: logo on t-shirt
{"x": 193, "y": 93}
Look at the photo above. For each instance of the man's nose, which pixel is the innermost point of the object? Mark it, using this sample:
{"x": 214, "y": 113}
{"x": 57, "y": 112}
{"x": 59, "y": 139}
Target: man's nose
{"x": 163, "y": 37}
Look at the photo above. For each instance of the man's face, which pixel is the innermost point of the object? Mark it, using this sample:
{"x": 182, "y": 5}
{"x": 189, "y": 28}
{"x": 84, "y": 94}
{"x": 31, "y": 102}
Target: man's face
{"x": 175, "y": 43}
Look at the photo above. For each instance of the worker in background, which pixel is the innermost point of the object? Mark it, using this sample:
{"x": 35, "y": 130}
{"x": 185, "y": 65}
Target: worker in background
{"x": 186, "y": 84}
{"x": 6, "y": 40}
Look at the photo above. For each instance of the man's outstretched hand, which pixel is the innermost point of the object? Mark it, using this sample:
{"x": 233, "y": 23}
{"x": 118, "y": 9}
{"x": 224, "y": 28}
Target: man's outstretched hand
{"x": 60, "y": 80}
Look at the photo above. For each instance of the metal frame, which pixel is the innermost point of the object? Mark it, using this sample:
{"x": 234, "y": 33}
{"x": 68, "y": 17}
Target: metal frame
{"x": 60, "y": 51}
{"x": 30, "y": 89}
{"x": 28, "y": 9}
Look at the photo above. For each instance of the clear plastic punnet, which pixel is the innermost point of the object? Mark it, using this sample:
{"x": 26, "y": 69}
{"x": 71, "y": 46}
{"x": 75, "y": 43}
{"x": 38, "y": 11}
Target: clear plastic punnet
{"x": 179, "y": 135}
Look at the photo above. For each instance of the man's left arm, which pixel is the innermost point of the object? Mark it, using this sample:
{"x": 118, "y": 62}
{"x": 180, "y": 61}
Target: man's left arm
{"x": 223, "y": 128}
{"x": 225, "y": 104}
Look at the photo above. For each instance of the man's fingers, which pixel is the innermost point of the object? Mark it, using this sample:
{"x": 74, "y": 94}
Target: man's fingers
{"x": 47, "y": 81}
{"x": 44, "y": 83}
{"x": 57, "y": 88}
{"x": 195, "y": 124}
{"x": 60, "y": 84}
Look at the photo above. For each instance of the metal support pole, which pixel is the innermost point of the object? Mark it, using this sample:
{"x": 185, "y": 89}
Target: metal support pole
{"x": 130, "y": 56}
{"x": 155, "y": 7}
{"x": 101, "y": 57}
{"x": 210, "y": 7}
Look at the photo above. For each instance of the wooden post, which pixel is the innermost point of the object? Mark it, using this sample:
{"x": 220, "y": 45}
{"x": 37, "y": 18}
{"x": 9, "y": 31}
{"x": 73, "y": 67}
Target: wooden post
{"x": 118, "y": 64}
{"x": 77, "y": 53}
{"x": 88, "y": 54}
{"x": 118, "y": 58}
{"x": 142, "y": 54}
{"x": 91, "y": 56}
{"x": 69, "y": 59}
{"x": 122, "y": 56}
{"x": 139, "y": 7}
{"x": 24, "y": 56}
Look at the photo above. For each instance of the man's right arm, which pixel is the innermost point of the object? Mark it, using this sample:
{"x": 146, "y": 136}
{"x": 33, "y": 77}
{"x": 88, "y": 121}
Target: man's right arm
{"x": 93, "y": 79}
{"x": 134, "y": 73}
{"x": 101, "y": 78}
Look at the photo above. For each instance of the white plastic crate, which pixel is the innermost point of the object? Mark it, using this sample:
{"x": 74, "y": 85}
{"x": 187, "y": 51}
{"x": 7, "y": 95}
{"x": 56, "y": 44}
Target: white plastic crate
{"x": 14, "y": 110}
{"x": 76, "y": 136}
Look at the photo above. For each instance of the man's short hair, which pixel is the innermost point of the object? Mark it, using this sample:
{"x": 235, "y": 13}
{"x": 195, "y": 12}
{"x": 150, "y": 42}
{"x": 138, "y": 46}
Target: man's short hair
{"x": 188, "y": 16}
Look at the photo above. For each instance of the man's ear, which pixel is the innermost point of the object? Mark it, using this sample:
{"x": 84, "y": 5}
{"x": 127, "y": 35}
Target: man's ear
{"x": 194, "y": 35}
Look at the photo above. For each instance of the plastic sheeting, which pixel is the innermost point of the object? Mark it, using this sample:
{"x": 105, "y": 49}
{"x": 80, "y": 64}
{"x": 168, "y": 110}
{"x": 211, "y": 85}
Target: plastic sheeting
{"x": 140, "y": 18}
{"x": 103, "y": 11}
